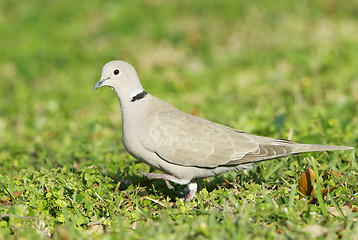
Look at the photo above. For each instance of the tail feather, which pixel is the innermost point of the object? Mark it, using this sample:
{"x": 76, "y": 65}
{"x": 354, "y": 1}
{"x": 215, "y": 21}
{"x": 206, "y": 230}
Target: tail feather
{"x": 283, "y": 148}
{"x": 301, "y": 148}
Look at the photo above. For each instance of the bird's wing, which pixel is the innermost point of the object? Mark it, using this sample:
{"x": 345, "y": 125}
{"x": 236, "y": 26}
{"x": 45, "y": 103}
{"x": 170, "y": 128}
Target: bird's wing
{"x": 186, "y": 140}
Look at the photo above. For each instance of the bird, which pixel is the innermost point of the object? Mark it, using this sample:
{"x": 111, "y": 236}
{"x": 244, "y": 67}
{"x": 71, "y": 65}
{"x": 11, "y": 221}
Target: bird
{"x": 184, "y": 147}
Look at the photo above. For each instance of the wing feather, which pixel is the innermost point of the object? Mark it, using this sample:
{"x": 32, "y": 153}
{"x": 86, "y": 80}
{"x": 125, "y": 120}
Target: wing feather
{"x": 187, "y": 140}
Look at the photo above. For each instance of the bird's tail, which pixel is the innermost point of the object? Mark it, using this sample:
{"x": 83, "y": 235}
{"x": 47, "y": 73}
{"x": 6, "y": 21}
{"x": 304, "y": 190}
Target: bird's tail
{"x": 301, "y": 148}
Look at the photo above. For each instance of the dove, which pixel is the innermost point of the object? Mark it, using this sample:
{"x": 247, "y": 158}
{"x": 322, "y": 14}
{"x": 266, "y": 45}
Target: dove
{"x": 184, "y": 147}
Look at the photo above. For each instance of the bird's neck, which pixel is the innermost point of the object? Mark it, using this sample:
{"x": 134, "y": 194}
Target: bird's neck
{"x": 133, "y": 109}
{"x": 131, "y": 103}
{"x": 125, "y": 98}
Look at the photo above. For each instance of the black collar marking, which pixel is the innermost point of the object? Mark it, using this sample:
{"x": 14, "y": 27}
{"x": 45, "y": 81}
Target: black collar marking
{"x": 139, "y": 96}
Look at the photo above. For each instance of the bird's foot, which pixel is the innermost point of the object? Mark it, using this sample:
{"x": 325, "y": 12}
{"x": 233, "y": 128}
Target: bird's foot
{"x": 193, "y": 187}
{"x": 168, "y": 184}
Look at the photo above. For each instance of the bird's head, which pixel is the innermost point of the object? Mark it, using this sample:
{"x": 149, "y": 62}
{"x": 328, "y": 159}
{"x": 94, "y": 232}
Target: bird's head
{"x": 120, "y": 76}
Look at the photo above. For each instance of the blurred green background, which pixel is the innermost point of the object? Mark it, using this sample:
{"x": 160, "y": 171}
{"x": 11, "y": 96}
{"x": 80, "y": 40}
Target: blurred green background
{"x": 240, "y": 63}
{"x": 264, "y": 67}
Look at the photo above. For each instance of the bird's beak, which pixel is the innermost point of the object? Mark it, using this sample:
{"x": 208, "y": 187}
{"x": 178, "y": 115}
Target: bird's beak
{"x": 99, "y": 83}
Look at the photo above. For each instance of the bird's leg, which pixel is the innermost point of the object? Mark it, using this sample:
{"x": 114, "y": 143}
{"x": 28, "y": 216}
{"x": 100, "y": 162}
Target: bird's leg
{"x": 168, "y": 184}
{"x": 193, "y": 188}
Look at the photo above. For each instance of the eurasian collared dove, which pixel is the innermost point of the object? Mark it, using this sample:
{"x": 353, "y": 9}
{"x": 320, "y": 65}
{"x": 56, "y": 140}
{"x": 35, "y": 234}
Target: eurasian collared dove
{"x": 185, "y": 147}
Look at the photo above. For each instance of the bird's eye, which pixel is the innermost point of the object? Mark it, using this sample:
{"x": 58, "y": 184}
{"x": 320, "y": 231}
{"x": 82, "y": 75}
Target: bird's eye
{"x": 116, "y": 72}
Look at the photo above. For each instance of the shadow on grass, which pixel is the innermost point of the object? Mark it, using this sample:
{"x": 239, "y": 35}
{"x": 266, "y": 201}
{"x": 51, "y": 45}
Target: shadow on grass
{"x": 127, "y": 178}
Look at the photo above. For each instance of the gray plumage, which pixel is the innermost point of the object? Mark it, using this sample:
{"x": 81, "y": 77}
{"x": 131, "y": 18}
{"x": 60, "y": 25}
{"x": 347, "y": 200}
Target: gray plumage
{"x": 183, "y": 146}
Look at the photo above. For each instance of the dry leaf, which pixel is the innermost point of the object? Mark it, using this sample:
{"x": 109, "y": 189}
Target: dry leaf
{"x": 315, "y": 230}
{"x": 172, "y": 204}
{"x": 350, "y": 205}
{"x": 325, "y": 191}
{"x": 7, "y": 202}
{"x": 306, "y": 188}
{"x": 4, "y": 202}
{"x": 334, "y": 211}
{"x": 311, "y": 201}
{"x": 15, "y": 194}
{"x": 134, "y": 225}
{"x": 98, "y": 228}
{"x": 337, "y": 174}
{"x": 62, "y": 233}
{"x": 76, "y": 166}
{"x": 305, "y": 182}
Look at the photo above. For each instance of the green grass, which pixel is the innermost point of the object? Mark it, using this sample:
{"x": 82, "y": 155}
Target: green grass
{"x": 268, "y": 69}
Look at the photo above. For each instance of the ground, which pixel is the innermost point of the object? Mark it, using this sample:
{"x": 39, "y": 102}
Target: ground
{"x": 284, "y": 69}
